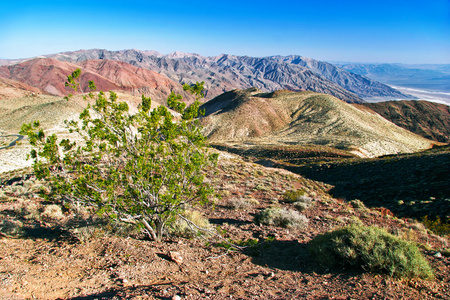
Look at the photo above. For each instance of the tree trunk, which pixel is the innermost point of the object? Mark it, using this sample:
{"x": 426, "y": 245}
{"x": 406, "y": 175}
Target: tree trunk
{"x": 151, "y": 231}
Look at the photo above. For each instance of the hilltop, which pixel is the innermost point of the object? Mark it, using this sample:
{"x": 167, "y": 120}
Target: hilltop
{"x": 304, "y": 118}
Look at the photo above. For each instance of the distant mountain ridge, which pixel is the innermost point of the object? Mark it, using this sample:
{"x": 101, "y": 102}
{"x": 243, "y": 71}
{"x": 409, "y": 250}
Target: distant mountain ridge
{"x": 227, "y": 72}
{"x": 429, "y": 77}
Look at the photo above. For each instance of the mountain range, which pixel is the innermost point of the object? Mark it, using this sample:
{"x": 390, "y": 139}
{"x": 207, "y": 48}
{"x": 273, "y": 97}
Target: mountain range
{"x": 428, "y": 77}
{"x": 265, "y": 99}
{"x": 226, "y": 72}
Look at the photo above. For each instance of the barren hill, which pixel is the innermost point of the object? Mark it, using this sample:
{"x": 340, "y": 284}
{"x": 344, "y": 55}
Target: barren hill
{"x": 10, "y": 89}
{"x": 428, "y": 119}
{"x": 50, "y": 74}
{"x": 226, "y": 72}
{"x": 286, "y": 117}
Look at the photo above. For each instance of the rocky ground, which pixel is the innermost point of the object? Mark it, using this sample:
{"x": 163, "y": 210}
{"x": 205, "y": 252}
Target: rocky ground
{"x": 47, "y": 255}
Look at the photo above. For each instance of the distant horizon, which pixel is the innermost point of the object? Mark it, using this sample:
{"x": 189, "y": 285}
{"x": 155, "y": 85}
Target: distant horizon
{"x": 407, "y": 32}
{"x": 338, "y": 62}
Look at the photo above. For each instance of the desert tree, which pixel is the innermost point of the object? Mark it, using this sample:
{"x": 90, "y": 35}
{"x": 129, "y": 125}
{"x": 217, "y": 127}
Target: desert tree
{"x": 142, "y": 168}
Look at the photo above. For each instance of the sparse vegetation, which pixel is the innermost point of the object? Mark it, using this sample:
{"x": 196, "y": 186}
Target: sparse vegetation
{"x": 370, "y": 248}
{"x": 437, "y": 225}
{"x": 240, "y": 203}
{"x": 277, "y": 216}
{"x": 183, "y": 229}
{"x": 293, "y": 195}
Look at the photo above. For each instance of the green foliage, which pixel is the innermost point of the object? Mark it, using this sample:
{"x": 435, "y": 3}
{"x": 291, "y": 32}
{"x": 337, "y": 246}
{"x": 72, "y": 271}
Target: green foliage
{"x": 73, "y": 81}
{"x": 437, "y": 225}
{"x": 142, "y": 168}
{"x": 195, "y": 89}
{"x": 372, "y": 249}
{"x": 282, "y": 217}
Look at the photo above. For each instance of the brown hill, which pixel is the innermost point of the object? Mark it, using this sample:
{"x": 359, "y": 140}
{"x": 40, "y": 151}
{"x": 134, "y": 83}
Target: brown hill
{"x": 428, "y": 119}
{"x": 136, "y": 80}
{"x": 49, "y": 75}
{"x": 10, "y": 89}
{"x": 303, "y": 118}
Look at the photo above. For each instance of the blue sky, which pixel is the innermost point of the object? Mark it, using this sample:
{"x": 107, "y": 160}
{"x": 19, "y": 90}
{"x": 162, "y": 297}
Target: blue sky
{"x": 359, "y": 31}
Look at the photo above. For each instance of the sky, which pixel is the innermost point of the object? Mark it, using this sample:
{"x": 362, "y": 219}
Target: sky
{"x": 380, "y": 31}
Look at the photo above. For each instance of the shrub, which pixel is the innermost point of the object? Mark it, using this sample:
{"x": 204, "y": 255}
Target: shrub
{"x": 282, "y": 217}
{"x": 437, "y": 225}
{"x": 12, "y": 228}
{"x": 293, "y": 195}
{"x": 370, "y": 248}
{"x": 141, "y": 168}
{"x": 303, "y": 202}
{"x": 52, "y": 212}
{"x": 240, "y": 203}
{"x": 182, "y": 229}
{"x": 358, "y": 204}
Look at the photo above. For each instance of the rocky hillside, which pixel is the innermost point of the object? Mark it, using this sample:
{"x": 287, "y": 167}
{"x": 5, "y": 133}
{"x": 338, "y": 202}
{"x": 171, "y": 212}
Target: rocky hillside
{"x": 49, "y": 75}
{"x": 226, "y": 72}
{"x": 353, "y": 82}
{"x": 286, "y": 117}
{"x": 428, "y": 119}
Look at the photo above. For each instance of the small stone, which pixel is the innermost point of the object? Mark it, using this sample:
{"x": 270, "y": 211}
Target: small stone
{"x": 176, "y": 257}
{"x": 176, "y": 297}
{"x": 438, "y": 255}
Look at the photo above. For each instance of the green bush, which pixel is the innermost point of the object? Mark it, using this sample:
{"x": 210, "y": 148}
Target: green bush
{"x": 372, "y": 249}
{"x": 282, "y": 217}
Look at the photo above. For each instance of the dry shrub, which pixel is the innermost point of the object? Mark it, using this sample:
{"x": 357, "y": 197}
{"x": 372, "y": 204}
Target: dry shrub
{"x": 52, "y": 212}
{"x": 358, "y": 204}
{"x": 182, "y": 228}
{"x": 282, "y": 217}
{"x": 239, "y": 203}
{"x": 293, "y": 195}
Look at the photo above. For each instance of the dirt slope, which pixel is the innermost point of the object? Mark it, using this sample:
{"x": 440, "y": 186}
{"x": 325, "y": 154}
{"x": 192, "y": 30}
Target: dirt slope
{"x": 10, "y": 89}
{"x": 48, "y": 261}
{"x": 428, "y": 119}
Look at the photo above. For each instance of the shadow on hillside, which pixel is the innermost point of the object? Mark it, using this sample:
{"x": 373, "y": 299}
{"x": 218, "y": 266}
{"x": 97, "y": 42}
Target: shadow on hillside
{"x": 284, "y": 255}
{"x": 52, "y": 234}
{"x": 422, "y": 183}
{"x": 231, "y": 221}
